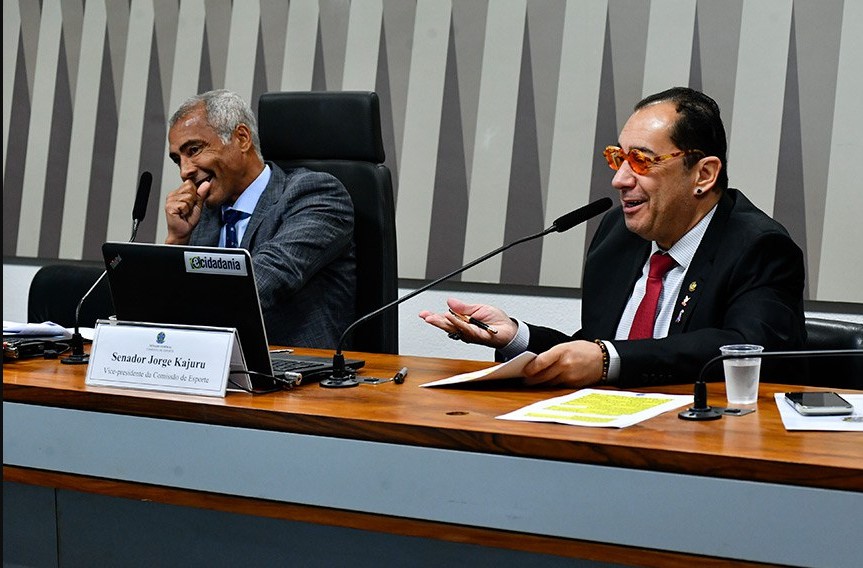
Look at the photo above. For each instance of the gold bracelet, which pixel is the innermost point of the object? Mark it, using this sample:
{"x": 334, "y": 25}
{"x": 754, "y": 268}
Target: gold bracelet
{"x": 605, "y": 361}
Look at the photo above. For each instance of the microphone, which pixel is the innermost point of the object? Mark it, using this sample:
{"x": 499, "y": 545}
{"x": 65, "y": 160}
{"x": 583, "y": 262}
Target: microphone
{"x": 579, "y": 216}
{"x": 700, "y": 410}
{"x": 138, "y": 211}
{"x": 141, "y": 199}
{"x": 342, "y": 377}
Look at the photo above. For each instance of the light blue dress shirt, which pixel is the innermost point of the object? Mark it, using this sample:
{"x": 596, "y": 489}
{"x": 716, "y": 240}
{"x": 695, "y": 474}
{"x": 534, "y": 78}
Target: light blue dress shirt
{"x": 246, "y": 203}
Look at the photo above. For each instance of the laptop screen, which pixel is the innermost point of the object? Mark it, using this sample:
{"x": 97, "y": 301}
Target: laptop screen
{"x": 191, "y": 286}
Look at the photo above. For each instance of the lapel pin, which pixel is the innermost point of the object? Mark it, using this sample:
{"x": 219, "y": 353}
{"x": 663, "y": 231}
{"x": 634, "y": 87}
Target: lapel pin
{"x": 679, "y": 317}
{"x": 692, "y": 286}
{"x": 685, "y": 301}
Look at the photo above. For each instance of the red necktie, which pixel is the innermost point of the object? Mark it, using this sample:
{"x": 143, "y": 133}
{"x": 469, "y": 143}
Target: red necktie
{"x": 645, "y": 316}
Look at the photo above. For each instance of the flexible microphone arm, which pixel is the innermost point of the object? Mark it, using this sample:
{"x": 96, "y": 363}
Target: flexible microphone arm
{"x": 142, "y": 196}
{"x": 135, "y": 223}
{"x": 700, "y": 410}
{"x": 342, "y": 378}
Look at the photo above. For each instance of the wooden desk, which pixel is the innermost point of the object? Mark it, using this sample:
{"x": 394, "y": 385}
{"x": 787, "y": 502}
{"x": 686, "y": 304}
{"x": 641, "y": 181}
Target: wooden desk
{"x": 434, "y": 463}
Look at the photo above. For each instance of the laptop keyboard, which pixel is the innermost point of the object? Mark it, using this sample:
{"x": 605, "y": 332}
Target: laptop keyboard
{"x": 308, "y": 363}
{"x": 294, "y": 365}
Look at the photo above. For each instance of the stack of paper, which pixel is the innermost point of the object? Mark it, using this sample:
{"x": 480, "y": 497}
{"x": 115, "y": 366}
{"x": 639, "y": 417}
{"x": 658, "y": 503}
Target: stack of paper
{"x": 44, "y": 330}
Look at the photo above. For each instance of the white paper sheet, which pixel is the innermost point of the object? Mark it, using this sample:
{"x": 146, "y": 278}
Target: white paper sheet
{"x": 509, "y": 370}
{"x": 793, "y": 420}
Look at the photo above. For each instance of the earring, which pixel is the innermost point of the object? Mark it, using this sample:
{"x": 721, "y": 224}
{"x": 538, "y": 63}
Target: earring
{"x": 698, "y": 191}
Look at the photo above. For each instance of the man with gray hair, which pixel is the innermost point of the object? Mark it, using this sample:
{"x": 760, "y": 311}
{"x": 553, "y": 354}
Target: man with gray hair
{"x": 297, "y": 224}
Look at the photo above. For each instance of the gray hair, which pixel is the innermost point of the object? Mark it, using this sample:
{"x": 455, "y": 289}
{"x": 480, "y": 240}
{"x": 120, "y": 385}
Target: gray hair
{"x": 224, "y": 110}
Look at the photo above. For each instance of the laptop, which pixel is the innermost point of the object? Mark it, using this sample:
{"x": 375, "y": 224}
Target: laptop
{"x": 209, "y": 286}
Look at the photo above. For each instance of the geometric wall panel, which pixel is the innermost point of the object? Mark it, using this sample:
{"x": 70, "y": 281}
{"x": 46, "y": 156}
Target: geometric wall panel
{"x": 494, "y": 113}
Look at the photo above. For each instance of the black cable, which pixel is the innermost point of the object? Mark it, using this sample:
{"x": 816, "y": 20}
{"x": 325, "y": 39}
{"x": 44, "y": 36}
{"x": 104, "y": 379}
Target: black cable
{"x": 282, "y": 382}
{"x": 57, "y": 349}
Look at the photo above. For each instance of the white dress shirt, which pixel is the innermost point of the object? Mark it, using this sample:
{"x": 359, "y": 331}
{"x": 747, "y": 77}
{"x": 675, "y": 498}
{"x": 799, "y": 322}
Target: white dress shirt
{"x": 682, "y": 252}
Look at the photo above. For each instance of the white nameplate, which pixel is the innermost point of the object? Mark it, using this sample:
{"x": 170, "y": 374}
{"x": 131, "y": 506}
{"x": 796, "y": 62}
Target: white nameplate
{"x": 215, "y": 263}
{"x": 172, "y": 358}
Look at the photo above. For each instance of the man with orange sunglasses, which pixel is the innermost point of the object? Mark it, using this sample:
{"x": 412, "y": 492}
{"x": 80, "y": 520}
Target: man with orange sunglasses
{"x": 684, "y": 265}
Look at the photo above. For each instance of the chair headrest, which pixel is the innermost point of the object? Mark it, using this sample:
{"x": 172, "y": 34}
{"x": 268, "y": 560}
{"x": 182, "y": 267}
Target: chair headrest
{"x": 320, "y": 125}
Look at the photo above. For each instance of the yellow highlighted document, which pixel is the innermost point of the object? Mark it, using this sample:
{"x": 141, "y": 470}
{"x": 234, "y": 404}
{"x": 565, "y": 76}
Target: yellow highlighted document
{"x": 592, "y": 407}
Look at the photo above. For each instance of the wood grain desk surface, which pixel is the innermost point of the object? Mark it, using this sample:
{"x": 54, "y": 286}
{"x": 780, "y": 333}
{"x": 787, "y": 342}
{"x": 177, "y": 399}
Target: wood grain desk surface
{"x": 755, "y": 447}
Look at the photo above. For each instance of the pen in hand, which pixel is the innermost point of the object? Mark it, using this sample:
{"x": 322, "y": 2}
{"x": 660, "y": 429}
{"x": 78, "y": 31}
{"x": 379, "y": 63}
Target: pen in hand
{"x": 472, "y": 320}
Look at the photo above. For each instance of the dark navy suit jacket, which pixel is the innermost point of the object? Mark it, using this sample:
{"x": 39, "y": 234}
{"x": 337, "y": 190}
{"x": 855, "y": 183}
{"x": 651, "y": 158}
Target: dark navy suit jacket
{"x": 745, "y": 285}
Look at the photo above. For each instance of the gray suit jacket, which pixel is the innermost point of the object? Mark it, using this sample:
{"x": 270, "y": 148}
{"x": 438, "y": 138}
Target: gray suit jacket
{"x": 301, "y": 240}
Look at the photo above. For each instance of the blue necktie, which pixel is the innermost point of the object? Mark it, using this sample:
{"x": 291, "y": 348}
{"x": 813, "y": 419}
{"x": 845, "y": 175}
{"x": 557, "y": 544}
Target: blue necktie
{"x": 231, "y": 216}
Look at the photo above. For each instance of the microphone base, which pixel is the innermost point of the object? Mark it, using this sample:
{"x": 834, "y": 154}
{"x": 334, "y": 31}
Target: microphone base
{"x": 339, "y": 382}
{"x": 341, "y": 377}
{"x": 707, "y": 413}
{"x": 76, "y": 359}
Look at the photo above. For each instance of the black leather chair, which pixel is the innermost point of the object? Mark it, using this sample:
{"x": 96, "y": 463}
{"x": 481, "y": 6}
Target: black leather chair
{"x": 340, "y": 133}
{"x": 56, "y": 290}
{"x": 839, "y": 371}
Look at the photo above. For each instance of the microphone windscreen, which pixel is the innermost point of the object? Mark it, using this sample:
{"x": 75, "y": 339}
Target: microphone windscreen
{"x": 582, "y": 214}
{"x": 142, "y": 197}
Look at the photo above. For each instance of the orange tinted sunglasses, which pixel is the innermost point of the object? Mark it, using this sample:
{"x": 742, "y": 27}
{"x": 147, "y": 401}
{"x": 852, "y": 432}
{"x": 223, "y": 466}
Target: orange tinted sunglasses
{"x": 638, "y": 160}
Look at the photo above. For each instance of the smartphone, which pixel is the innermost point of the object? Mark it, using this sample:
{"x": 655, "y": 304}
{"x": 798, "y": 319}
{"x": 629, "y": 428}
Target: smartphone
{"x": 818, "y": 403}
